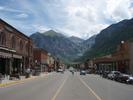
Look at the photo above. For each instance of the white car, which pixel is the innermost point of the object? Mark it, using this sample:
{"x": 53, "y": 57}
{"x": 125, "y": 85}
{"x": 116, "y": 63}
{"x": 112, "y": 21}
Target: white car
{"x": 60, "y": 70}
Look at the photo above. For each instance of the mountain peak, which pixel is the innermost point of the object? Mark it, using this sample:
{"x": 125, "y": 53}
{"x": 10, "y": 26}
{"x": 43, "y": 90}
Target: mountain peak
{"x": 52, "y": 33}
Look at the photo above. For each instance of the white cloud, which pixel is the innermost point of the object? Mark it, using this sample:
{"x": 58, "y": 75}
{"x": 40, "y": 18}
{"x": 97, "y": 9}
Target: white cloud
{"x": 82, "y": 18}
{"x": 119, "y": 10}
{"x": 22, "y": 15}
{"x": 1, "y": 8}
{"x": 40, "y": 28}
{"x": 89, "y": 17}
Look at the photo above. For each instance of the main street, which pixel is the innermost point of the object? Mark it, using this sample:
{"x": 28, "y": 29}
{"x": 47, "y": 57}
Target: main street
{"x": 58, "y": 86}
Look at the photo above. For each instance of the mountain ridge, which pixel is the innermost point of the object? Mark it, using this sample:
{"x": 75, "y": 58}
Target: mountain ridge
{"x": 108, "y": 39}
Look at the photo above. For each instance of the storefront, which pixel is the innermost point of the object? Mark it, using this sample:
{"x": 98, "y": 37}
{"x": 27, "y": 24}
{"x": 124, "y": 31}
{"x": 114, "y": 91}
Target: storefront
{"x": 5, "y": 61}
{"x": 10, "y": 63}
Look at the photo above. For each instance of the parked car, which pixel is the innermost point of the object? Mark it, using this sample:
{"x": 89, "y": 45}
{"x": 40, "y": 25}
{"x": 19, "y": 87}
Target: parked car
{"x": 105, "y": 74}
{"x": 129, "y": 80}
{"x": 123, "y": 78}
{"x": 60, "y": 70}
{"x": 114, "y": 75}
{"x": 82, "y": 72}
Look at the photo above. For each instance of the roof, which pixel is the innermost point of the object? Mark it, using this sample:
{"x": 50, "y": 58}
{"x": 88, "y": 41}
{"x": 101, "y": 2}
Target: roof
{"x": 40, "y": 49}
{"x": 14, "y": 28}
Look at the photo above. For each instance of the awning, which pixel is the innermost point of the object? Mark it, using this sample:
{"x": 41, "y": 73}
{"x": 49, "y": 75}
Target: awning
{"x": 9, "y": 55}
{"x": 6, "y": 49}
{"x": 17, "y": 56}
{"x": 5, "y": 55}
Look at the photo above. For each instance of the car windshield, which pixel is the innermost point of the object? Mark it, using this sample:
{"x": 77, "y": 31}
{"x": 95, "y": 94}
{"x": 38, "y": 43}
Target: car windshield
{"x": 66, "y": 49}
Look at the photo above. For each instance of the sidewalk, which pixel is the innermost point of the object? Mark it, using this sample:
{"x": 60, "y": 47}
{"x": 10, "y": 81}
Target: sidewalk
{"x": 6, "y": 82}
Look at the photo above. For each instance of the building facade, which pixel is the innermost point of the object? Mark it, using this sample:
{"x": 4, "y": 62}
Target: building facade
{"x": 16, "y": 50}
{"x": 131, "y": 58}
{"x": 40, "y": 59}
{"x": 121, "y": 60}
{"x": 51, "y": 62}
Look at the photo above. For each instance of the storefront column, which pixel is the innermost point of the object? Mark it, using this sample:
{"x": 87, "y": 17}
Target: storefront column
{"x": 7, "y": 68}
{"x": 10, "y": 66}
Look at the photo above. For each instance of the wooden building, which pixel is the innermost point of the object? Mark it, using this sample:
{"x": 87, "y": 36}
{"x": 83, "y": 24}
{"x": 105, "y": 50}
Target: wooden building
{"x": 16, "y": 50}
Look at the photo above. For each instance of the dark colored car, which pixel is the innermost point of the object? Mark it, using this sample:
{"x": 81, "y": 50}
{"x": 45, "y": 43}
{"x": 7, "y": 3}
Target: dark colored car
{"x": 105, "y": 74}
{"x": 82, "y": 72}
{"x": 114, "y": 75}
{"x": 123, "y": 78}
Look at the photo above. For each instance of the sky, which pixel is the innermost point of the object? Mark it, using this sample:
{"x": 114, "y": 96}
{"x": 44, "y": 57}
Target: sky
{"x": 81, "y": 18}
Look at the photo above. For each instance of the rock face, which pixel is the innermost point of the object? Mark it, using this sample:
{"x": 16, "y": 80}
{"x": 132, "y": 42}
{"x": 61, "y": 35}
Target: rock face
{"x": 76, "y": 40}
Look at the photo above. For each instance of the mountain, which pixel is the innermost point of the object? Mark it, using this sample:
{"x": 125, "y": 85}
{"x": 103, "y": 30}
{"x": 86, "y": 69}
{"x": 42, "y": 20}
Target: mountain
{"x": 76, "y": 40}
{"x": 57, "y": 44}
{"x": 89, "y": 42}
{"x": 107, "y": 40}
{"x": 52, "y": 33}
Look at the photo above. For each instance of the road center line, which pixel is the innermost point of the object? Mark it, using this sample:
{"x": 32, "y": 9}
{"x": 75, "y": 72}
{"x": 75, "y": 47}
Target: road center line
{"x": 59, "y": 89}
{"x": 98, "y": 98}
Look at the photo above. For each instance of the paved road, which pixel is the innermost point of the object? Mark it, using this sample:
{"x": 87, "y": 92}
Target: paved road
{"x": 65, "y": 86}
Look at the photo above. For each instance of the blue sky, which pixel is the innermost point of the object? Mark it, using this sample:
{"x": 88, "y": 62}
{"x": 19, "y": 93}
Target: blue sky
{"x": 81, "y": 18}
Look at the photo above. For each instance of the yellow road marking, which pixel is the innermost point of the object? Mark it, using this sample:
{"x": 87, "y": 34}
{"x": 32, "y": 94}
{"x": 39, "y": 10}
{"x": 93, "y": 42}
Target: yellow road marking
{"x": 59, "y": 89}
{"x": 98, "y": 98}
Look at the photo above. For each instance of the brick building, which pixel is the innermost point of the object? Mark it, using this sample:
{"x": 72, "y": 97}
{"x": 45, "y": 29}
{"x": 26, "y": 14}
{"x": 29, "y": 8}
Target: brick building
{"x": 40, "y": 59}
{"x": 16, "y": 50}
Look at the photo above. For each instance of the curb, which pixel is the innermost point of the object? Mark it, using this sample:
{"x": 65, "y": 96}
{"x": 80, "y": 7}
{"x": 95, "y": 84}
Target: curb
{"x": 19, "y": 81}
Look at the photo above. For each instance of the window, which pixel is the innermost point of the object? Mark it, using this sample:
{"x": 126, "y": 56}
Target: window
{"x": 27, "y": 48}
{"x": 13, "y": 42}
{"x": 21, "y": 45}
{"x": 2, "y": 38}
